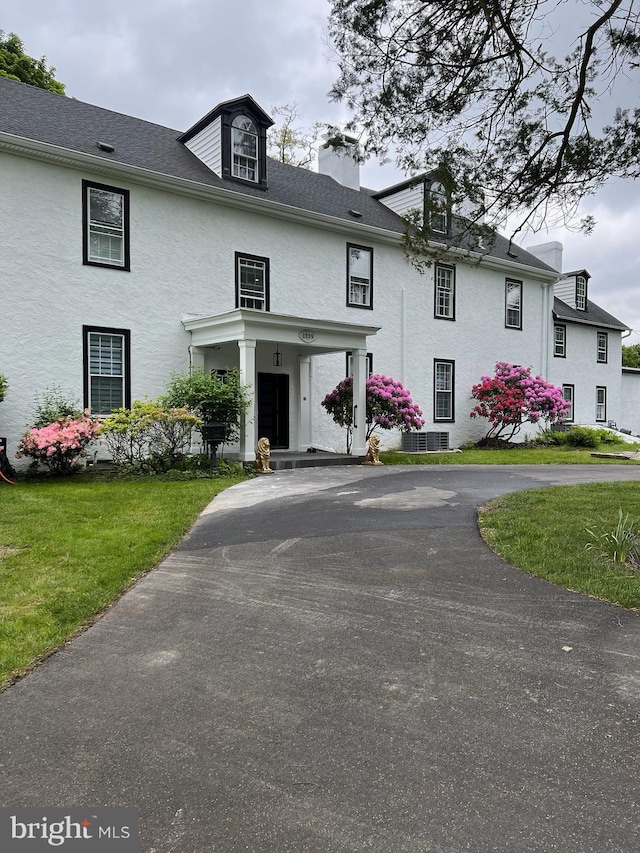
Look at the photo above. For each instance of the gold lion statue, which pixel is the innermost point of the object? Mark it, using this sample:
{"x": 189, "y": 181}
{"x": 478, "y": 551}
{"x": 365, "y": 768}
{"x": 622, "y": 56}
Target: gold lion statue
{"x": 373, "y": 452}
{"x": 262, "y": 457}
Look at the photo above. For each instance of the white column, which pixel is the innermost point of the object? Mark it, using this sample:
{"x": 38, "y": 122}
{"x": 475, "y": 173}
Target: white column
{"x": 304, "y": 402}
{"x": 248, "y": 377}
{"x": 196, "y": 355}
{"x": 359, "y": 447}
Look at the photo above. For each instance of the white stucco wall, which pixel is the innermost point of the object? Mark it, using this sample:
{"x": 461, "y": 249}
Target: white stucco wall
{"x": 630, "y": 404}
{"x": 182, "y": 263}
{"x": 581, "y": 369}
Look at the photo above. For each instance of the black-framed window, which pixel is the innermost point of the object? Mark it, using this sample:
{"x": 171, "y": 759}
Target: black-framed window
{"x": 568, "y": 392}
{"x": 601, "y": 403}
{"x": 581, "y": 293}
{"x": 349, "y": 363}
{"x": 560, "y": 340}
{"x": 244, "y": 149}
{"x": 437, "y": 208}
{"x": 107, "y": 369}
{"x": 105, "y": 226}
{"x": 444, "y": 307}
{"x": 513, "y": 304}
{"x": 602, "y": 347}
{"x": 252, "y": 282}
{"x": 359, "y": 276}
{"x": 443, "y": 389}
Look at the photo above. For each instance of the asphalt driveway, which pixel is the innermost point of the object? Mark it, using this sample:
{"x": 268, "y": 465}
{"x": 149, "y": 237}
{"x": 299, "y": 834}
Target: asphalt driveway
{"x": 333, "y": 661}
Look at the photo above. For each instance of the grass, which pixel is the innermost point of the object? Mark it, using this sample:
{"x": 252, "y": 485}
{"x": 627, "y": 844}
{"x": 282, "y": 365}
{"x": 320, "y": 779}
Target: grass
{"x": 518, "y": 455}
{"x": 545, "y": 533}
{"x": 69, "y": 547}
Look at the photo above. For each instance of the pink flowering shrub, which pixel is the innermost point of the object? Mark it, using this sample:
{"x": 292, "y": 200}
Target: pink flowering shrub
{"x": 513, "y": 397}
{"x": 60, "y": 444}
{"x": 389, "y": 406}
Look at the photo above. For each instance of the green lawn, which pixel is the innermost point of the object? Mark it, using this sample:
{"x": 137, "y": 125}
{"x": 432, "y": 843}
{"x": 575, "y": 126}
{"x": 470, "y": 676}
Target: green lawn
{"x": 544, "y": 532}
{"x": 69, "y": 547}
{"x": 524, "y": 455}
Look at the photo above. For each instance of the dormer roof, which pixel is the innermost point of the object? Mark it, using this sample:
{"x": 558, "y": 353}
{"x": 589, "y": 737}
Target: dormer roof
{"x": 235, "y": 105}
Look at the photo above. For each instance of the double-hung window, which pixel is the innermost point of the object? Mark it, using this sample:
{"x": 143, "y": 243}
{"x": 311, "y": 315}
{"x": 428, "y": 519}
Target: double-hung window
{"x": 560, "y": 341}
{"x": 350, "y": 364}
{"x": 359, "y": 276}
{"x": 443, "y": 379}
{"x": 244, "y": 149}
{"x": 106, "y": 369}
{"x": 601, "y": 403}
{"x": 581, "y": 293}
{"x": 252, "y": 282}
{"x": 568, "y": 392}
{"x": 438, "y": 208}
{"x": 445, "y": 284}
{"x": 105, "y": 226}
{"x": 602, "y": 347}
{"x": 513, "y": 304}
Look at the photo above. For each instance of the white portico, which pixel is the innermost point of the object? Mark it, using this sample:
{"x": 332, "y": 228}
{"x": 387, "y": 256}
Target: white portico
{"x": 252, "y": 341}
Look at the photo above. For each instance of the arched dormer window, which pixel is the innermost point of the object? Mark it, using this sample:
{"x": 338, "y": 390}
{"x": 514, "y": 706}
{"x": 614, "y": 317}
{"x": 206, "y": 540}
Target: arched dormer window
{"x": 244, "y": 148}
{"x": 438, "y": 214}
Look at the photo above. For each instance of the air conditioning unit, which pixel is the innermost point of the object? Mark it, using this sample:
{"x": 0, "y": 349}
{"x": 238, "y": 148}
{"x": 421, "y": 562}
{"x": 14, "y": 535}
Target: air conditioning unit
{"x": 421, "y": 442}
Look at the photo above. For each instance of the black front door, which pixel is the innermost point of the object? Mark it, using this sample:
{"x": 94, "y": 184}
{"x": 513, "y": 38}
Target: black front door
{"x": 273, "y": 408}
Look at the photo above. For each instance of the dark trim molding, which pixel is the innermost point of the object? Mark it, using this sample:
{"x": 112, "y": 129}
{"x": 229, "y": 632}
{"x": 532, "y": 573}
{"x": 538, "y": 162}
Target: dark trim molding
{"x": 507, "y": 282}
{"x": 450, "y": 361}
{"x": 604, "y": 360}
{"x": 267, "y": 277}
{"x": 106, "y": 330}
{"x": 564, "y": 327}
{"x": 437, "y": 266}
{"x": 86, "y": 185}
{"x": 601, "y": 388}
{"x": 573, "y": 401}
{"x": 369, "y": 249}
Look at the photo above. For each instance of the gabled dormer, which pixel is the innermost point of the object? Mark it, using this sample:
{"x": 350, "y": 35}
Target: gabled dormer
{"x": 573, "y": 289}
{"x": 426, "y": 194}
{"x": 231, "y": 140}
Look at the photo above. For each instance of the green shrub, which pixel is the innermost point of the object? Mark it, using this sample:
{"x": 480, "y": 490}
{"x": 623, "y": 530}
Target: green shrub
{"x": 3, "y": 386}
{"x": 582, "y": 437}
{"x": 55, "y": 405}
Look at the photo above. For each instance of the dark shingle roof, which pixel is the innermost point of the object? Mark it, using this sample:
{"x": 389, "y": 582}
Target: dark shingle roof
{"x": 44, "y": 116}
{"x": 593, "y": 316}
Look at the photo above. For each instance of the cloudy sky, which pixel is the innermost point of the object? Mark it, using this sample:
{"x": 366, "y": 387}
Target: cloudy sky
{"x": 171, "y": 61}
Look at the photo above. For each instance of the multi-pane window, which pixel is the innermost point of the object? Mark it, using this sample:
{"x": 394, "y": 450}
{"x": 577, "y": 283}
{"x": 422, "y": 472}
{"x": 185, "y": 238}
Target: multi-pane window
{"x": 443, "y": 390}
{"x": 568, "y": 394}
{"x": 444, "y": 307}
{"x": 350, "y": 364}
{"x": 244, "y": 149}
{"x": 252, "y": 282}
{"x": 513, "y": 304}
{"x": 359, "y": 276}
{"x": 105, "y": 226}
{"x": 602, "y": 347}
{"x": 106, "y": 381}
{"x": 560, "y": 341}
{"x": 581, "y": 293}
{"x": 601, "y": 403}
{"x": 437, "y": 208}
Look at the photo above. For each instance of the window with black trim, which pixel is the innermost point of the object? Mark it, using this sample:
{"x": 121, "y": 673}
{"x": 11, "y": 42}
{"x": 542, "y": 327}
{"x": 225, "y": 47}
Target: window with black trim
{"x": 105, "y": 226}
{"x": 359, "y": 276}
{"x": 560, "y": 340}
{"x": 581, "y": 293}
{"x": 252, "y": 282}
{"x": 349, "y": 365}
{"x": 513, "y": 304}
{"x": 601, "y": 403}
{"x": 602, "y": 347}
{"x": 437, "y": 208}
{"x": 244, "y": 148}
{"x": 444, "y": 292}
{"x": 107, "y": 369}
{"x": 443, "y": 388}
{"x": 568, "y": 392}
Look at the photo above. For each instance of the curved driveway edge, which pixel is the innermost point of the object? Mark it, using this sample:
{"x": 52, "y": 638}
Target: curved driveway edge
{"x": 333, "y": 661}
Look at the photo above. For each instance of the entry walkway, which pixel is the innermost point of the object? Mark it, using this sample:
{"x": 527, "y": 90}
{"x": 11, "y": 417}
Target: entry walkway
{"x": 332, "y": 661}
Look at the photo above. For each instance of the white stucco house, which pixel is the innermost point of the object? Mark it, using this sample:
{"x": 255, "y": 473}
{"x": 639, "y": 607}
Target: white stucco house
{"x": 130, "y": 251}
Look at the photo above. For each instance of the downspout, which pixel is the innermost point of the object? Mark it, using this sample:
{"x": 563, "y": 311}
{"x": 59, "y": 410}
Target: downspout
{"x": 547, "y": 293}
{"x": 403, "y": 337}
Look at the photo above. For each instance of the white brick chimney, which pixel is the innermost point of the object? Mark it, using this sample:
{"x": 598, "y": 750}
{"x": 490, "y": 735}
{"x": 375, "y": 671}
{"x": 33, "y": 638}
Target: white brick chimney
{"x": 341, "y": 163}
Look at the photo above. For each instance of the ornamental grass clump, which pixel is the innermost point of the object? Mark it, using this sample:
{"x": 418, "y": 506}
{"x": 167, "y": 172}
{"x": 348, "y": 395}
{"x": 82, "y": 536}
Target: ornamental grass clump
{"x": 61, "y": 444}
{"x": 389, "y": 406}
{"x": 620, "y": 545}
{"x": 513, "y": 397}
